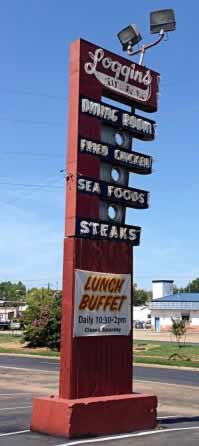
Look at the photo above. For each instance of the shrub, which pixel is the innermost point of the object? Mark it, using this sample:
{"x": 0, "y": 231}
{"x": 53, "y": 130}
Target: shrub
{"x": 178, "y": 329}
{"x": 42, "y": 321}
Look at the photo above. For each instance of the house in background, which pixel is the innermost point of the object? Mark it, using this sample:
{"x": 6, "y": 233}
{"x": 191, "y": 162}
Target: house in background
{"x": 9, "y": 312}
{"x": 166, "y": 305}
{"x": 141, "y": 313}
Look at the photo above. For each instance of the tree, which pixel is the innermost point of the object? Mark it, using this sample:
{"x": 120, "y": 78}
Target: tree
{"x": 140, "y": 296}
{"x": 12, "y": 292}
{"x": 177, "y": 290}
{"x": 193, "y": 286}
{"x": 178, "y": 329}
{"x": 42, "y": 319}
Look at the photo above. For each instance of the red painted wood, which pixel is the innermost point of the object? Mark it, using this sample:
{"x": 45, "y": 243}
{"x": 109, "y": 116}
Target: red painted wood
{"x": 94, "y": 416}
{"x": 79, "y": 124}
{"x": 97, "y": 365}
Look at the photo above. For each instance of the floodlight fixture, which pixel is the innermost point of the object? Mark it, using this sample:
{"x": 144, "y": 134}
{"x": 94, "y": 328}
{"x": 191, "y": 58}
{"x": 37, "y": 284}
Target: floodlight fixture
{"x": 162, "y": 20}
{"x": 129, "y": 37}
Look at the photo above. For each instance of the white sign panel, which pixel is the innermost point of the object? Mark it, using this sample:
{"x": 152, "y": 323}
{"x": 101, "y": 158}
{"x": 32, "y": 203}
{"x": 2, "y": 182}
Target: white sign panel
{"x": 113, "y": 82}
{"x": 102, "y": 304}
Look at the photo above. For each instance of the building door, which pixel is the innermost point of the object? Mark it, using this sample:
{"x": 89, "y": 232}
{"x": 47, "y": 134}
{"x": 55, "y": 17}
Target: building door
{"x": 157, "y": 324}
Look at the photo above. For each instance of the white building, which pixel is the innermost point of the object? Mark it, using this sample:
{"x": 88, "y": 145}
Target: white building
{"x": 8, "y": 313}
{"x": 166, "y": 305}
{"x": 141, "y": 313}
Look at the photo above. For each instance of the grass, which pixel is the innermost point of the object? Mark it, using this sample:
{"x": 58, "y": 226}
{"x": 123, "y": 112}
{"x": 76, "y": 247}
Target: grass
{"x": 167, "y": 353}
{"x": 158, "y": 361}
{"x": 145, "y": 352}
{"x": 5, "y": 337}
{"x": 29, "y": 351}
{"x": 11, "y": 343}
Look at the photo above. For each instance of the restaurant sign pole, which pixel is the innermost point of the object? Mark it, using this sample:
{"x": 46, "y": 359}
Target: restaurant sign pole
{"x": 95, "y": 392}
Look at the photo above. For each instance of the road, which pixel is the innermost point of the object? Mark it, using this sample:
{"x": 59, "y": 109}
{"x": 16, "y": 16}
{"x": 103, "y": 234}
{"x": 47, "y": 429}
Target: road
{"x": 29, "y": 362}
{"x": 164, "y": 375}
{"x": 15, "y": 413}
{"x": 25, "y": 377}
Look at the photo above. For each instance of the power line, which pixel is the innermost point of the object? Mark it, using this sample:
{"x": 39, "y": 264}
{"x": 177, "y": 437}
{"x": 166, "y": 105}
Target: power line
{"x": 46, "y": 186}
{"x": 36, "y": 155}
{"x": 31, "y": 93}
{"x": 30, "y": 121}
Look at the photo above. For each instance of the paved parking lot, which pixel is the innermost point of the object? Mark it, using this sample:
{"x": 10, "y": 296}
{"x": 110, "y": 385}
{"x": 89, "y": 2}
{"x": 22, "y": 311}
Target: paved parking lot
{"x": 15, "y": 413}
{"x": 23, "y": 378}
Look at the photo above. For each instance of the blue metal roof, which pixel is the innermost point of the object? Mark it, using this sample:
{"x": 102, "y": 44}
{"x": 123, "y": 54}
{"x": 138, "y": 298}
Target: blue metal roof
{"x": 179, "y": 297}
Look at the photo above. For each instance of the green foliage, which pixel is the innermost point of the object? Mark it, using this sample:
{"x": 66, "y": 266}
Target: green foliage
{"x": 141, "y": 297}
{"x": 193, "y": 287}
{"x": 42, "y": 319}
{"x": 178, "y": 329}
{"x": 12, "y": 292}
{"x": 177, "y": 290}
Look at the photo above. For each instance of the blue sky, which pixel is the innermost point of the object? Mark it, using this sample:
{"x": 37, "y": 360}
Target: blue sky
{"x": 34, "y": 49}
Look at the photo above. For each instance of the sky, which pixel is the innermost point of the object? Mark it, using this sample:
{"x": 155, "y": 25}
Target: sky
{"x": 34, "y": 52}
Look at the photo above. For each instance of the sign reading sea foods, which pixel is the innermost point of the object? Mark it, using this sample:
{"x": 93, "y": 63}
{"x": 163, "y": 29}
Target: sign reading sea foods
{"x": 102, "y": 304}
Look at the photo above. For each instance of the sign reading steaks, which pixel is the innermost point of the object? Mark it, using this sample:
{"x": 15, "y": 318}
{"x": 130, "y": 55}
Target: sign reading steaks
{"x": 139, "y": 126}
{"x": 101, "y": 230}
{"x": 128, "y": 196}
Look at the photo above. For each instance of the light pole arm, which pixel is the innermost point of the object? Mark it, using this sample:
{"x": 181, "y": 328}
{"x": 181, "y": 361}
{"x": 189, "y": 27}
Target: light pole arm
{"x": 146, "y": 47}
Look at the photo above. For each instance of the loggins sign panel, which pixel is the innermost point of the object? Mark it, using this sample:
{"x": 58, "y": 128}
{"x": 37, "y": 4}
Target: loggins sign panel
{"x": 133, "y": 82}
{"x": 102, "y": 304}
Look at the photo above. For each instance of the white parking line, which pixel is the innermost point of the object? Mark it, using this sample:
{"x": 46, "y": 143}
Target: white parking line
{"x": 151, "y": 381}
{"x": 49, "y": 362}
{"x": 16, "y": 394}
{"x": 123, "y": 437}
{"x": 14, "y": 433}
{"x": 27, "y": 368}
{"x": 15, "y": 408}
{"x": 168, "y": 417}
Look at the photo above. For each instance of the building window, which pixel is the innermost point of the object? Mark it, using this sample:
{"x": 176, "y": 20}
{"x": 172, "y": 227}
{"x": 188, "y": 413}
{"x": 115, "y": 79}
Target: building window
{"x": 186, "y": 318}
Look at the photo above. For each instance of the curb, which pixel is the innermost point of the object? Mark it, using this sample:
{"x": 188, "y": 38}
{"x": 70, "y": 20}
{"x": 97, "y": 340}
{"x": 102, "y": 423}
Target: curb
{"x": 170, "y": 367}
{"x": 28, "y": 355}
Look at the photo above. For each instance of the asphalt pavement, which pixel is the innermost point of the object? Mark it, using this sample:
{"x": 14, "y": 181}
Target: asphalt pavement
{"x": 15, "y": 414}
{"x": 16, "y": 406}
{"x": 154, "y": 374}
{"x": 28, "y": 362}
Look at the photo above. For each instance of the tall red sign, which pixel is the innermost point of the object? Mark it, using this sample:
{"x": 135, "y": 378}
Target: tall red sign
{"x": 95, "y": 394}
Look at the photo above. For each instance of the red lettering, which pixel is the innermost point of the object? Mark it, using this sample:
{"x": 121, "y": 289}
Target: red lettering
{"x": 87, "y": 284}
{"x": 119, "y": 285}
{"x": 84, "y": 302}
{"x": 108, "y": 302}
{"x": 114, "y": 305}
{"x": 111, "y": 285}
{"x": 123, "y": 298}
{"x": 100, "y": 302}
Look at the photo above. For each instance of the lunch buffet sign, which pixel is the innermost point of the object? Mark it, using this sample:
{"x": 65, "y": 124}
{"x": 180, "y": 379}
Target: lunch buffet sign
{"x": 102, "y": 304}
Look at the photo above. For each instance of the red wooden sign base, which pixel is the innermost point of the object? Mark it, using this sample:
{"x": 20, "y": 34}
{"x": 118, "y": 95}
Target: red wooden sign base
{"x": 95, "y": 395}
{"x": 94, "y": 416}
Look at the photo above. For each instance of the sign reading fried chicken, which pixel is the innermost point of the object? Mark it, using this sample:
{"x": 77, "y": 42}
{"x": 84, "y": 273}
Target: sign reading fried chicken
{"x": 102, "y": 304}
